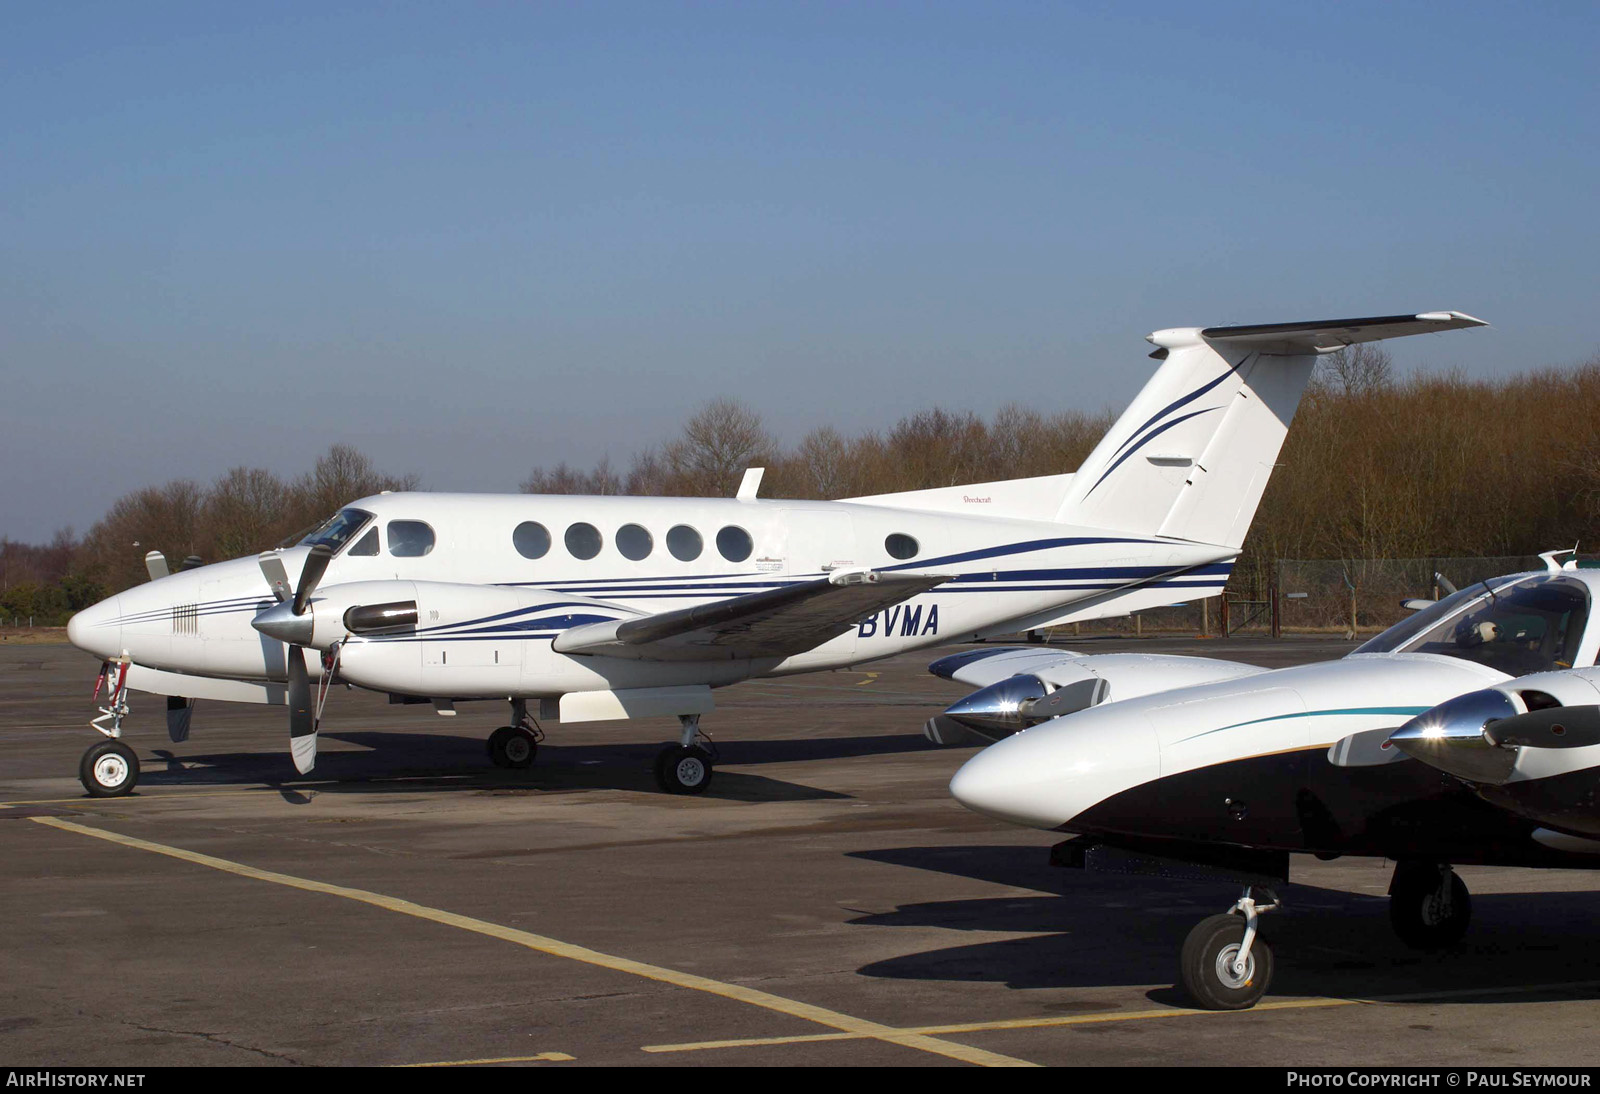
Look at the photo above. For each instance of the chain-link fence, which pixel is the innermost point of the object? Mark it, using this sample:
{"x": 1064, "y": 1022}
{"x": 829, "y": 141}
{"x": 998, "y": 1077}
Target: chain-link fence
{"x": 1314, "y": 596}
{"x": 1363, "y": 595}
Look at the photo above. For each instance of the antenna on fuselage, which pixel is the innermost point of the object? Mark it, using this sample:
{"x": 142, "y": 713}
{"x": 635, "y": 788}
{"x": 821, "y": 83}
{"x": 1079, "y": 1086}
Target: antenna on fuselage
{"x": 751, "y": 483}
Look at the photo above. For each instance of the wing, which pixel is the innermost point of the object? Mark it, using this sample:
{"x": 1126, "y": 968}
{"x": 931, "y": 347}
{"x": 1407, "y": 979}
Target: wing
{"x": 772, "y": 623}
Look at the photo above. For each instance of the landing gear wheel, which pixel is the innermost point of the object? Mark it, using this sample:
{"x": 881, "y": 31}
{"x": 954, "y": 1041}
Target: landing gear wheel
{"x": 681, "y": 770}
{"x": 513, "y": 747}
{"x": 1428, "y": 907}
{"x": 109, "y": 770}
{"x": 1207, "y": 972}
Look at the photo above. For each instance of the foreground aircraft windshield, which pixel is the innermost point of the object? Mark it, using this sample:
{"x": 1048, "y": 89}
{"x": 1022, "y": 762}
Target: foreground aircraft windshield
{"x": 1532, "y": 625}
{"x": 337, "y": 530}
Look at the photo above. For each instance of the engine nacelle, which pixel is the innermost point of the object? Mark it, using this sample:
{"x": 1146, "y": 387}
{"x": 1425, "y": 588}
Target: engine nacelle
{"x": 1530, "y": 745}
{"x": 443, "y": 639}
{"x": 1026, "y": 686}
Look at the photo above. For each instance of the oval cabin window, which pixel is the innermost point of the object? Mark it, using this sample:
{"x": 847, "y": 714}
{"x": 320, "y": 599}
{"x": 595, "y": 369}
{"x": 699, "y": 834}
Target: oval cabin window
{"x": 635, "y": 542}
{"x": 531, "y": 539}
{"x": 900, "y": 546}
{"x": 734, "y": 543}
{"x": 684, "y": 543}
{"x": 583, "y": 540}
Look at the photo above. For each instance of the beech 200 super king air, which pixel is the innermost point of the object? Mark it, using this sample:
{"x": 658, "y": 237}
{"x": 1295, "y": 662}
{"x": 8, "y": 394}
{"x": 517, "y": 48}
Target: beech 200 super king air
{"x": 1468, "y": 733}
{"x": 594, "y": 608}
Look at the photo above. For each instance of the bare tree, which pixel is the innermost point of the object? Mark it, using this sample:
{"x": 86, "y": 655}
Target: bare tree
{"x": 342, "y": 475}
{"x": 718, "y": 443}
{"x": 1359, "y": 369}
{"x": 246, "y": 510}
{"x": 563, "y": 479}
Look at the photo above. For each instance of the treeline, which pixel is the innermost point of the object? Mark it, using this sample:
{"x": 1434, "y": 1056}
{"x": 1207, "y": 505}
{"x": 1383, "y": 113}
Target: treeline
{"x": 932, "y": 448}
{"x": 1375, "y": 466}
{"x": 1433, "y": 464}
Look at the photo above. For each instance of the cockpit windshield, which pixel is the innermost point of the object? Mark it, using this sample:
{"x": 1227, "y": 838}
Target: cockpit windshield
{"x": 1516, "y": 627}
{"x": 338, "y": 529}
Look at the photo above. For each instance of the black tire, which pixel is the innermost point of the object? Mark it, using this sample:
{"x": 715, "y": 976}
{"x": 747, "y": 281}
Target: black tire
{"x": 1424, "y": 912}
{"x": 109, "y": 769}
{"x": 1204, "y": 967}
{"x": 682, "y": 770}
{"x": 513, "y": 747}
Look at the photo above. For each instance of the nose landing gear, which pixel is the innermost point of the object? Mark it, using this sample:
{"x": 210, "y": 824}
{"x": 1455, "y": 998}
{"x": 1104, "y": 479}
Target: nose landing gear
{"x": 1225, "y": 965}
{"x": 110, "y": 769}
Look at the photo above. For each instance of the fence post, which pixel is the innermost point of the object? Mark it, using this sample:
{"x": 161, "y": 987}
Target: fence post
{"x": 1226, "y": 622}
{"x": 1273, "y": 595}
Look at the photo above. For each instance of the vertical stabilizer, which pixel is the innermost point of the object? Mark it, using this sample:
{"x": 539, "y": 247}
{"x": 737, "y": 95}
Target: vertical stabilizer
{"x": 1191, "y": 457}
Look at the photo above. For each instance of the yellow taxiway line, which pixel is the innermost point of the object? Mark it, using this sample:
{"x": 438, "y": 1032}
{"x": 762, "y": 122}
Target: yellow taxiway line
{"x": 132, "y": 799}
{"x": 550, "y": 1056}
{"x": 1312, "y": 1003}
{"x": 1004, "y": 1023}
{"x": 852, "y": 1026}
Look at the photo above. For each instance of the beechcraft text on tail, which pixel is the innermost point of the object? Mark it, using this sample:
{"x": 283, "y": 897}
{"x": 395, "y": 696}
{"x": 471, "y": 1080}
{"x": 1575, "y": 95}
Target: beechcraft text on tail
{"x": 586, "y": 608}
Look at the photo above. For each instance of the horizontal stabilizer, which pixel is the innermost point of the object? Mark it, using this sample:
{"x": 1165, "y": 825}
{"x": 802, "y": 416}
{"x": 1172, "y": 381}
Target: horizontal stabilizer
{"x": 771, "y": 623}
{"x": 1324, "y": 335}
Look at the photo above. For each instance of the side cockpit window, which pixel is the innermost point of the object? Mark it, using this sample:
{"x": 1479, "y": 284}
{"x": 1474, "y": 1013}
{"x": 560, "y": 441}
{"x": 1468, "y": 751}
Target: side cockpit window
{"x": 367, "y": 544}
{"x": 409, "y": 538}
{"x": 1517, "y": 627}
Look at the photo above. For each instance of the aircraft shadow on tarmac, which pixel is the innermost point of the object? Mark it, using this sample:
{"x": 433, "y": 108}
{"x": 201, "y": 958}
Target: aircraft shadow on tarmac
{"x": 460, "y": 763}
{"x": 1105, "y": 929}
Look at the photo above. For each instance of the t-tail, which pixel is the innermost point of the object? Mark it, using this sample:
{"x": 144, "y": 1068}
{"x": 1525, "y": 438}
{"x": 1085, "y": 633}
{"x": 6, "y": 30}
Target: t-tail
{"x": 1190, "y": 458}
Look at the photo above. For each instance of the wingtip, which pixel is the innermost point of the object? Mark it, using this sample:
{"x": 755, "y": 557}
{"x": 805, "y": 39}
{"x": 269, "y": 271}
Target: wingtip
{"x": 1451, "y": 317}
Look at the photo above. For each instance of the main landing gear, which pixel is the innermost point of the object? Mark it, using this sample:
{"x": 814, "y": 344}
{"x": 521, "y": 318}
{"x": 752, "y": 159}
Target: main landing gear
{"x": 1428, "y": 905}
{"x": 1226, "y": 966}
{"x": 514, "y": 746}
{"x": 686, "y": 767}
{"x": 110, "y": 769}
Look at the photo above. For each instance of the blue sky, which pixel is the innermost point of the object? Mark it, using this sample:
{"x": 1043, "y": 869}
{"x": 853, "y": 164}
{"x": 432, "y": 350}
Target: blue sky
{"x": 472, "y": 239}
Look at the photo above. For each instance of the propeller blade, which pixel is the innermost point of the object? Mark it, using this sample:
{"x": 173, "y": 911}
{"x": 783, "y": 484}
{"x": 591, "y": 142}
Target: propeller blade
{"x": 1553, "y": 727}
{"x": 155, "y": 564}
{"x": 180, "y": 712}
{"x": 302, "y": 722}
{"x": 316, "y": 565}
{"x": 277, "y": 577}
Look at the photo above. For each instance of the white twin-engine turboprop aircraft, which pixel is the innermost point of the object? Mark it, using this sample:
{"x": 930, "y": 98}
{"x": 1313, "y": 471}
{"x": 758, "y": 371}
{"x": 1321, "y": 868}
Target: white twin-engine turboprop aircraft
{"x": 625, "y": 607}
